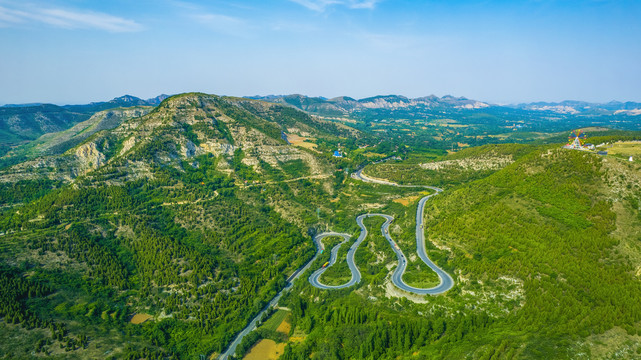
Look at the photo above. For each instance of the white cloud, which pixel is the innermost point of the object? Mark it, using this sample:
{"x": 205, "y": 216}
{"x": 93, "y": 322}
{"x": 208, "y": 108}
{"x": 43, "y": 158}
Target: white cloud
{"x": 66, "y": 19}
{"x": 222, "y": 23}
{"x": 219, "y": 23}
{"x": 321, "y": 5}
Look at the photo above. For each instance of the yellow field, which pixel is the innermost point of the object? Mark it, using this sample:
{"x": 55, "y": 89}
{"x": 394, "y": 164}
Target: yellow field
{"x": 284, "y": 327}
{"x": 406, "y": 201}
{"x": 266, "y": 349}
{"x": 371, "y": 154}
{"x": 627, "y": 148}
{"x": 140, "y": 318}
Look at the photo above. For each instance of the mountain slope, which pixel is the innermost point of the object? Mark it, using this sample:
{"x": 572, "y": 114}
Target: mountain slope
{"x": 168, "y": 214}
{"x": 345, "y": 105}
{"x": 122, "y": 101}
{"x": 19, "y": 124}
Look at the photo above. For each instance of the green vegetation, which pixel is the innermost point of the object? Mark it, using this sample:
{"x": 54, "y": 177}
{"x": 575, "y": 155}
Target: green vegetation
{"x": 450, "y": 170}
{"x": 374, "y": 254}
{"x": 533, "y": 237}
{"x": 199, "y": 211}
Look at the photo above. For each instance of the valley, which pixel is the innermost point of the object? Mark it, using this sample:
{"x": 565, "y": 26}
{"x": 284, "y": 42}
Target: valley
{"x": 211, "y": 217}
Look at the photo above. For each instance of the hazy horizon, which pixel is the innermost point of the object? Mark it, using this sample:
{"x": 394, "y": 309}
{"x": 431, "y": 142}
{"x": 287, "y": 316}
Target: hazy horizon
{"x": 320, "y": 96}
{"x": 501, "y": 52}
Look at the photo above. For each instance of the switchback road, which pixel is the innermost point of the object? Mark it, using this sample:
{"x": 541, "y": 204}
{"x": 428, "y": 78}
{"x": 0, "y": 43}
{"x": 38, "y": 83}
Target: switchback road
{"x": 446, "y": 281}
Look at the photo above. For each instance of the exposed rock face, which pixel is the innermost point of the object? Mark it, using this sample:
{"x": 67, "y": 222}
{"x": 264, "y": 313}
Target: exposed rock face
{"x": 218, "y": 148}
{"x": 188, "y": 149}
{"x": 89, "y": 157}
{"x": 476, "y": 164}
{"x": 128, "y": 144}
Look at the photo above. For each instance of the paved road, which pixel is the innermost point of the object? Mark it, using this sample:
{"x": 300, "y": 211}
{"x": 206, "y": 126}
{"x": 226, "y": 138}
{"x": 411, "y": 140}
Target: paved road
{"x": 360, "y": 176}
{"x": 252, "y": 324}
{"x": 356, "y": 275}
{"x": 397, "y": 276}
{"x": 446, "y": 281}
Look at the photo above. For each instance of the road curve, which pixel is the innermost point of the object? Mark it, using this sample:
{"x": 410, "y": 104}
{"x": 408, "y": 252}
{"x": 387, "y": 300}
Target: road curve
{"x": 356, "y": 275}
{"x": 446, "y": 281}
{"x": 360, "y": 176}
{"x": 397, "y": 276}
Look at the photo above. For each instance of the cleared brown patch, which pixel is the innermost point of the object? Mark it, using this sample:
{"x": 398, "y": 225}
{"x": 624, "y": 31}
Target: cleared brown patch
{"x": 140, "y": 318}
{"x": 304, "y": 142}
{"x": 406, "y": 201}
{"x": 265, "y": 349}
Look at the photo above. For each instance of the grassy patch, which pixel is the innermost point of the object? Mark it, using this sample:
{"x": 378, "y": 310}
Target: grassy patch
{"x": 275, "y": 320}
{"x": 338, "y": 273}
{"x": 419, "y": 275}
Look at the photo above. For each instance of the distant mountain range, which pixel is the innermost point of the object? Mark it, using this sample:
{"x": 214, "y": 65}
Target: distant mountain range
{"x": 341, "y": 106}
{"x": 122, "y": 101}
{"x": 345, "y": 105}
{"x": 582, "y": 107}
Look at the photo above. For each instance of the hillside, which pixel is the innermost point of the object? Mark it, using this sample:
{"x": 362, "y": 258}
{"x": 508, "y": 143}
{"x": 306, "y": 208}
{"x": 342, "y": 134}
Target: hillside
{"x": 194, "y": 213}
{"x": 345, "y": 105}
{"x": 546, "y": 256}
{"x": 122, "y": 101}
{"x": 20, "y": 124}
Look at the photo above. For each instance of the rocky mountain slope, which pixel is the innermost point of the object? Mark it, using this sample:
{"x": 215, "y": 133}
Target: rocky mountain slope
{"x": 181, "y": 128}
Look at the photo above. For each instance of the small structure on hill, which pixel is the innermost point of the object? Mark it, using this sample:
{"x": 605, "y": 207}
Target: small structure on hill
{"x": 338, "y": 153}
{"x": 630, "y": 159}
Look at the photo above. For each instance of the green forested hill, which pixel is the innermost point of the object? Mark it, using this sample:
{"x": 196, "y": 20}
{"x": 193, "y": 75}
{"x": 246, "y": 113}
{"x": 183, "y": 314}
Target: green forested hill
{"x": 168, "y": 214}
{"x": 545, "y": 254}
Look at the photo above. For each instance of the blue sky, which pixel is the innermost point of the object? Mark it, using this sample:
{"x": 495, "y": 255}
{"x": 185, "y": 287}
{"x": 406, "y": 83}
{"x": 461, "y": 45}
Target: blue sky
{"x": 77, "y": 51}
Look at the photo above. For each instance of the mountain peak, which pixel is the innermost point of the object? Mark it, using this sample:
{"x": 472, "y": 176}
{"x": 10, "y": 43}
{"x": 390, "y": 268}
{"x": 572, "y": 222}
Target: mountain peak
{"x": 127, "y": 99}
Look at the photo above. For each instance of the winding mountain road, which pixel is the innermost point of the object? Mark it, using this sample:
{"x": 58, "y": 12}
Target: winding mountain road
{"x": 446, "y": 281}
{"x": 397, "y": 276}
